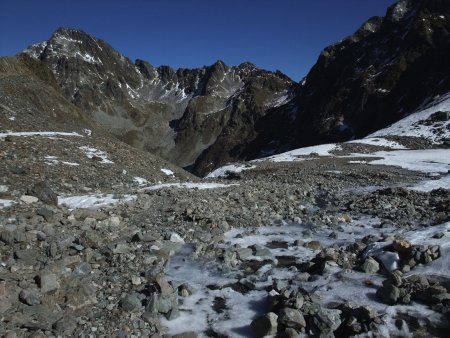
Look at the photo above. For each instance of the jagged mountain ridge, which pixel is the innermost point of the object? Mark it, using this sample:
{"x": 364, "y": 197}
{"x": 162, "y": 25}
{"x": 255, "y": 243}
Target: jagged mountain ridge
{"x": 176, "y": 114}
{"x": 206, "y": 117}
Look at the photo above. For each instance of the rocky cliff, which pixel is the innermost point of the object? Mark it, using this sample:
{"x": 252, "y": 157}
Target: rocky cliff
{"x": 387, "y": 68}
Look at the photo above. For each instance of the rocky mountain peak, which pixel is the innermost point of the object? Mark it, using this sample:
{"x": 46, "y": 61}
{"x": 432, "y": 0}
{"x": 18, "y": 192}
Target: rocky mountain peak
{"x": 176, "y": 113}
{"x": 400, "y": 10}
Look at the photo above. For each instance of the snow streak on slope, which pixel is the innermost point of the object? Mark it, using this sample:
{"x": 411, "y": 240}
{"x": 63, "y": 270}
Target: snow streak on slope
{"x": 380, "y": 142}
{"x": 188, "y": 185}
{"x": 428, "y": 161}
{"x": 93, "y": 201}
{"x": 38, "y": 133}
{"x": 426, "y": 123}
{"x": 320, "y": 150}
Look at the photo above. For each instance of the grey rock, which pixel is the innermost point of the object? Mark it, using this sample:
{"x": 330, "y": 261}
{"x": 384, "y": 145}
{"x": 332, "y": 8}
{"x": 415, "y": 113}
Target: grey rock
{"x": 326, "y": 321}
{"x": 265, "y": 325}
{"x": 48, "y": 282}
{"x": 388, "y": 294}
{"x": 131, "y": 303}
{"x": 370, "y": 265}
{"x": 29, "y": 199}
{"x": 65, "y": 326}
{"x": 44, "y": 192}
{"x": 244, "y": 253}
{"x": 165, "y": 288}
{"x": 121, "y": 248}
{"x": 161, "y": 304}
{"x": 5, "y": 303}
{"x": 46, "y": 213}
{"x": 30, "y": 297}
{"x": 293, "y": 318}
{"x": 80, "y": 293}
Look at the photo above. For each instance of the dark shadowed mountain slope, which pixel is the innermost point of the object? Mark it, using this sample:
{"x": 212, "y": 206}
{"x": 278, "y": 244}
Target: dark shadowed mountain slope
{"x": 385, "y": 70}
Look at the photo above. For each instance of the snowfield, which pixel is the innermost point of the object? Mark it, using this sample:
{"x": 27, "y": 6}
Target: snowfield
{"x": 412, "y": 126}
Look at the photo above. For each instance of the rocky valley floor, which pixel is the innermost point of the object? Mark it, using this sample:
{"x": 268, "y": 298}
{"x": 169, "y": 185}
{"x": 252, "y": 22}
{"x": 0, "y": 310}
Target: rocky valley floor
{"x": 347, "y": 239}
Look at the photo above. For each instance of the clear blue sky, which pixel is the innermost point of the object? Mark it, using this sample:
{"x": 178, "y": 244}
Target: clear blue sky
{"x": 273, "y": 34}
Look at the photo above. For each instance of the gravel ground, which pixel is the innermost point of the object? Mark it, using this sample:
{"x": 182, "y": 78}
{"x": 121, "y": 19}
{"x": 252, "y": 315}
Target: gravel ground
{"x": 105, "y": 271}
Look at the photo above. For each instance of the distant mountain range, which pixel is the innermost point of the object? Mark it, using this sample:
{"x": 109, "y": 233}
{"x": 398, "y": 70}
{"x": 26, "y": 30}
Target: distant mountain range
{"x": 203, "y": 118}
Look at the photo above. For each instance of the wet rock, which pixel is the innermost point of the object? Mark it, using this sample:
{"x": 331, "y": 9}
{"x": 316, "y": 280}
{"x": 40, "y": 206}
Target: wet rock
{"x": 265, "y": 325}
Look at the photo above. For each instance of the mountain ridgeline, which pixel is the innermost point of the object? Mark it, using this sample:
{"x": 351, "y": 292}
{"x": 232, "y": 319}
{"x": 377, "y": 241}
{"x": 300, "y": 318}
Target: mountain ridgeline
{"x": 203, "y": 118}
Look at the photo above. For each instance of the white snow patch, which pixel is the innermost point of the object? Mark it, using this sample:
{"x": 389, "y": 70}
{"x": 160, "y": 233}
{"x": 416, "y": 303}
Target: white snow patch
{"x": 140, "y": 180}
{"x": 88, "y": 132}
{"x": 379, "y": 141}
{"x": 188, "y": 185}
{"x": 410, "y": 126}
{"x": 87, "y": 58}
{"x": 278, "y": 101}
{"x": 319, "y": 150}
{"x": 232, "y": 168}
{"x": 4, "y": 203}
{"x": 168, "y": 172}
{"x": 74, "y": 164}
{"x": 51, "y": 160}
{"x": 93, "y": 201}
{"x": 196, "y": 311}
{"x": 428, "y": 161}
{"x": 91, "y": 152}
{"x": 38, "y": 133}
{"x": 429, "y": 185}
